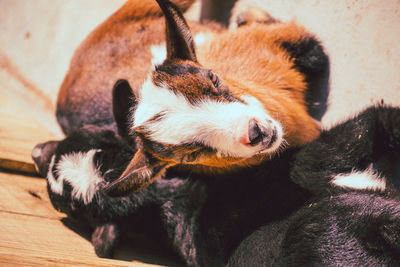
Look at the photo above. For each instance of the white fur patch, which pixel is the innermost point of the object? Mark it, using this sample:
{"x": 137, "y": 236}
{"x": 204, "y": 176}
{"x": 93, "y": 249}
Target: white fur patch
{"x": 79, "y": 171}
{"x": 159, "y": 53}
{"x": 219, "y": 125}
{"x": 368, "y": 179}
{"x": 201, "y": 38}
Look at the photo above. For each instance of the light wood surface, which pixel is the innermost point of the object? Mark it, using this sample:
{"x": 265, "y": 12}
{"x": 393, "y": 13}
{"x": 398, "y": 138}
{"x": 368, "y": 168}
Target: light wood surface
{"x": 33, "y": 233}
{"x": 19, "y": 133}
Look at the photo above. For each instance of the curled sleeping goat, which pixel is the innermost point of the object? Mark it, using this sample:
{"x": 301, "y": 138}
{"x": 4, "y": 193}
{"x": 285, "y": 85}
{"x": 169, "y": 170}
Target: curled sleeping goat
{"x": 324, "y": 204}
{"x": 233, "y": 100}
{"x": 75, "y": 169}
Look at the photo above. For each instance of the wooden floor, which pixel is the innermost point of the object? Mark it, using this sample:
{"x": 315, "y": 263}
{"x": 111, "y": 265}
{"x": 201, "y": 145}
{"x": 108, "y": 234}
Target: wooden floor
{"x": 32, "y": 233}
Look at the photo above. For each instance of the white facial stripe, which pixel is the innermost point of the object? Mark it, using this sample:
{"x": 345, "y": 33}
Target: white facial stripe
{"x": 152, "y": 100}
{"x": 79, "y": 171}
{"x": 219, "y": 125}
{"x": 367, "y": 179}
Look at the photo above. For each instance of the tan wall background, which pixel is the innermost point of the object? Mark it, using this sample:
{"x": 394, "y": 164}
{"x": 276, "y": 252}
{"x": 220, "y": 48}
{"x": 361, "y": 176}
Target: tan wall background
{"x": 38, "y": 37}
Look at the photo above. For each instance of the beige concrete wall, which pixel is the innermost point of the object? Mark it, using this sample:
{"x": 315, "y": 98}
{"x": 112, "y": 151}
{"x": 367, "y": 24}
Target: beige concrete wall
{"x": 37, "y": 39}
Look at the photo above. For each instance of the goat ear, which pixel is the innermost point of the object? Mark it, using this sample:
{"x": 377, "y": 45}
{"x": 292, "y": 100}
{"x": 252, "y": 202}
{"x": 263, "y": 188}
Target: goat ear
{"x": 123, "y": 102}
{"x": 41, "y": 155}
{"x": 141, "y": 172}
{"x": 180, "y": 43}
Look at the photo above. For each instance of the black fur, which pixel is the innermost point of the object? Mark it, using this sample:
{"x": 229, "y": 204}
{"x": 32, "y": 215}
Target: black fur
{"x": 311, "y": 60}
{"x": 260, "y": 216}
{"x": 106, "y": 215}
{"x": 350, "y": 229}
{"x": 104, "y": 239}
{"x": 122, "y": 108}
{"x": 361, "y": 229}
{"x": 353, "y": 145}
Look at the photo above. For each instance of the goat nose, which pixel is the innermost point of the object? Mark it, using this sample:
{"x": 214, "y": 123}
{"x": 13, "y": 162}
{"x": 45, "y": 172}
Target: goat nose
{"x": 259, "y": 133}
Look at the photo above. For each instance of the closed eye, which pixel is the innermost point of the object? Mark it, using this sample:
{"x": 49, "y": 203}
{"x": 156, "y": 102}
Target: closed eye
{"x": 214, "y": 79}
{"x": 216, "y": 82}
{"x": 220, "y": 89}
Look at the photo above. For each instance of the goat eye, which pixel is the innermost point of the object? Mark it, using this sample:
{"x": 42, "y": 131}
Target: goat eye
{"x": 216, "y": 81}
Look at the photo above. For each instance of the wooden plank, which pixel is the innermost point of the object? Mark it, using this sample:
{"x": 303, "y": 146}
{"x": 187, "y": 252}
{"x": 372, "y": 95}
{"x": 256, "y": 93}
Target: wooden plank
{"x": 19, "y": 133}
{"x": 26, "y": 195}
{"x": 33, "y": 241}
{"x": 33, "y": 233}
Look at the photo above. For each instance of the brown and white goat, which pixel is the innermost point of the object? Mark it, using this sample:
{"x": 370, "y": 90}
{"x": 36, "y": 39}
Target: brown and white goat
{"x": 234, "y": 101}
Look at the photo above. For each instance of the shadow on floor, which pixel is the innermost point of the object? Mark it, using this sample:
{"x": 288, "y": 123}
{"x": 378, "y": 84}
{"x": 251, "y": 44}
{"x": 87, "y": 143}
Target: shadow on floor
{"x": 133, "y": 247}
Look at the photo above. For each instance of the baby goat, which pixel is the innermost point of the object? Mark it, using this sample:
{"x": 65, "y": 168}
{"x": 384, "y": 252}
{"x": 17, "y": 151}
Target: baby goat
{"x": 234, "y": 101}
{"x": 264, "y": 219}
{"x": 75, "y": 169}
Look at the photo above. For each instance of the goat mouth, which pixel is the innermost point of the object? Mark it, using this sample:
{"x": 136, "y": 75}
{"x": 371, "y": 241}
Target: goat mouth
{"x": 271, "y": 145}
{"x": 269, "y": 141}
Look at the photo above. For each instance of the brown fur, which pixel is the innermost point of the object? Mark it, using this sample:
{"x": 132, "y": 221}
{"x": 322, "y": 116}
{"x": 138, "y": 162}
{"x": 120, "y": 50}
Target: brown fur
{"x": 266, "y": 72}
{"x": 193, "y": 86}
